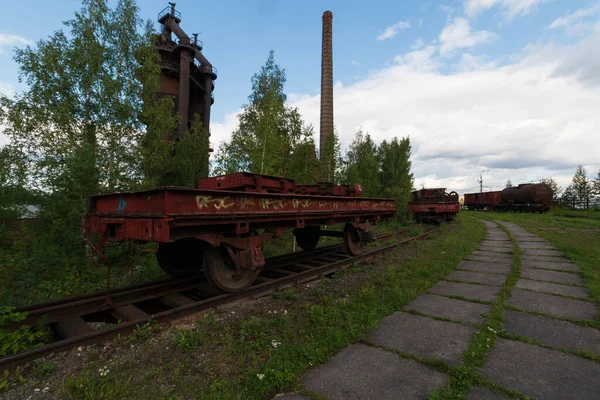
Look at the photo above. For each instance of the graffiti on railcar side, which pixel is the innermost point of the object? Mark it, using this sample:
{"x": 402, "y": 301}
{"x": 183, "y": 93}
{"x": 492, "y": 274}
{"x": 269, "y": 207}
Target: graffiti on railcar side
{"x": 247, "y": 202}
{"x": 301, "y": 203}
{"x": 218, "y": 202}
{"x": 334, "y": 205}
{"x": 274, "y": 204}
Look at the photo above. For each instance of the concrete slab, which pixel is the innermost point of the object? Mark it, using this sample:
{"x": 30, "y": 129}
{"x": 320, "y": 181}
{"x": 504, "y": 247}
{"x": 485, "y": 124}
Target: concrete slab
{"x": 542, "y": 252}
{"x": 500, "y": 243}
{"x": 497, "y": 238}
{"x": 479, "y": 393}
{"x": 456, "y": 310}
{"x": 541, "y": 373}
{"x": 487, "y": 267}
{"x": 290, "y": 396}
{"x": 557, "y": 306}
{"x": 543, "y": 258}
{"x": 536, "y": 245}
{"x": 478, "y": 277}
{"x": 553, "y": 288}
{"x": 495, "y": 249}
{"x": 476, "y": 257}
{"x": 417, "y": 335}
{"x": 481, "y": 253}
{"x": 497, "y": 243}
{"x": 364, "y": 372}
{"x": 552, "y": 276}
{"x": 466, "y": 290}
{"x": 559, "y": 266}
{"x": 552, "y": 332}
{"x": 525, "y": 239}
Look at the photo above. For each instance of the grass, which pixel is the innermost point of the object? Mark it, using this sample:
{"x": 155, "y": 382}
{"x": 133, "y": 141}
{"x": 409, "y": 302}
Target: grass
{"x": 270, "y": 352}
{"x": 265, "y": 351}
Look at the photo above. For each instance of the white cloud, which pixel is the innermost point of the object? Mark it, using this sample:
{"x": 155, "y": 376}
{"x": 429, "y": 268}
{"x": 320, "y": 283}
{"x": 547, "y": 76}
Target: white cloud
{"x": 354, "y": 62}
{"x": 458, "y": 34}
{"x": 391, "y": 31}
{"x": 573, "y": 22}
{"x": 417, "y": 44}
{"x": 522, "y": 121}
{"x": 469, "y": 62}
{"x": 511, "y": 8}
{"x": 446, "y": 8}
{"x": 8, "y": 40}
{"x": 534, "y": 117}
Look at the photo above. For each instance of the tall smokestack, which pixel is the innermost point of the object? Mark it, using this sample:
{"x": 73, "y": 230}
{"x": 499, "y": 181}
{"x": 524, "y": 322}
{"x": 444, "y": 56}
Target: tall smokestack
{"x": 326, "y": 159}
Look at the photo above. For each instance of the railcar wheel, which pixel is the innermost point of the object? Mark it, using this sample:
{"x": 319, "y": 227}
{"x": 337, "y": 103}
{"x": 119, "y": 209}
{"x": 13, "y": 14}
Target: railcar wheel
{"x": 180, "y": 258}
{"x": 307, "y": 238}
{"x": 352, "y": 242}
{"x": 220, "y": 271}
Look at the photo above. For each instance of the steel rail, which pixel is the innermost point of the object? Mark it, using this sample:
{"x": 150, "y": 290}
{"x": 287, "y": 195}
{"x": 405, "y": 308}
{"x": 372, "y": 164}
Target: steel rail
{"x": 258, "y": 290}
{"x": 104, "y": 300}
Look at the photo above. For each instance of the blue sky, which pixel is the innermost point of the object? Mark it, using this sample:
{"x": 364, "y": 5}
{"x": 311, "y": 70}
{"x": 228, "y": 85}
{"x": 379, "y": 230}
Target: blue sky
{"x": 456, "y": 43}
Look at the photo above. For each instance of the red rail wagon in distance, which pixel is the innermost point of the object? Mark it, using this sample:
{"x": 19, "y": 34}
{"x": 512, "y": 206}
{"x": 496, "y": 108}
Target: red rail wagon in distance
{"x": 525, "y": 197}
{"x": 482, "y": 201}
{"x": 434, "y": 205}
{"x": 219, "y": 228}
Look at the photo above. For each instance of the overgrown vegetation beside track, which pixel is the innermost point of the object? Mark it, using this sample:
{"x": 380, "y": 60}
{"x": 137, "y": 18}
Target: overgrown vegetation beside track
{"x": 261, "y": 347}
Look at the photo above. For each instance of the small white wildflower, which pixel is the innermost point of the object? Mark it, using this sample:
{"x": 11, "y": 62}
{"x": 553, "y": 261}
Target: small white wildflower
{"x": 36, "y": 390}
{"x": 46, "y": 389}
{"x": 260, "y": 376}
{"x": 284, "y": 312}
{"x": 269, "y": 312}
{"x": 275, "y": 344}
{"x": 233, "y": 312}
{"x": 275, "y": 312}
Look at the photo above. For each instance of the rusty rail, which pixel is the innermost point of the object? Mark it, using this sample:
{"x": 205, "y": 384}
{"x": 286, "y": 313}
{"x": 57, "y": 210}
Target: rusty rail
{"x": 302, "y": 267}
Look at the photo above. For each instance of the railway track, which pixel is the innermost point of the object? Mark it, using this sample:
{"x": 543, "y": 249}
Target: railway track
{"x": 123, "y": 309}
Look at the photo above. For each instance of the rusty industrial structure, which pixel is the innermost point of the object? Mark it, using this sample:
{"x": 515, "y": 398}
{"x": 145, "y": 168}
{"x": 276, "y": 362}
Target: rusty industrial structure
{"x": 186, "y": 74}
{"x": 326, "y": 129}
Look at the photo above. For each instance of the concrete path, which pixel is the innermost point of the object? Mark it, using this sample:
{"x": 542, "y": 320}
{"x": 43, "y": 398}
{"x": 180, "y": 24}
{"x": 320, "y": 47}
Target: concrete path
{"x": 548, "y": 297}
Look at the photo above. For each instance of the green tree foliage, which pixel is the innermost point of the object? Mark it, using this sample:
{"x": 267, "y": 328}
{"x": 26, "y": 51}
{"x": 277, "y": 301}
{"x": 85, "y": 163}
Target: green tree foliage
{"x": 13, "y": 176}
{"x": 362, "y": 164}
{"x": 395, "y": 176}
{"x": 582, "y": 186}
{"x": 190, "y": 158}
{"x": 556, "y": 189}
{"x": 79, "y": 124}
{"x": 508, "y": 184}
{"x": 331, "y": 161}
{"x": 269, "y": 132}
{"x": 597, "y": 184}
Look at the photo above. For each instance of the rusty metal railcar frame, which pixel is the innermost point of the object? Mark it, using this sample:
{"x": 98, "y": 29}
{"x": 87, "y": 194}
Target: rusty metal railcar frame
{"x": 236, "y": 222}
{"x": 434, "y": 205}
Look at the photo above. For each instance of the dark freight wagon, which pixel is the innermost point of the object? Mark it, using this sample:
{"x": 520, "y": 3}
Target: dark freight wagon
{"x": 526, "y": 197}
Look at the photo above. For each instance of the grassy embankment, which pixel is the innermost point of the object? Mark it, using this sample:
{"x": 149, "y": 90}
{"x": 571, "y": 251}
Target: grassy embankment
{"x": 263, "y": 347}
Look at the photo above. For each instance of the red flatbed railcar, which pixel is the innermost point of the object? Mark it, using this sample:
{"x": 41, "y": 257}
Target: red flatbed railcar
{"x": 434, "y": 205}
{"x": 220, "y": 227}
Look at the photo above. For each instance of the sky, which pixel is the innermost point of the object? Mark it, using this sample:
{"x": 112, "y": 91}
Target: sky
{"x": 509, "y": 87}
